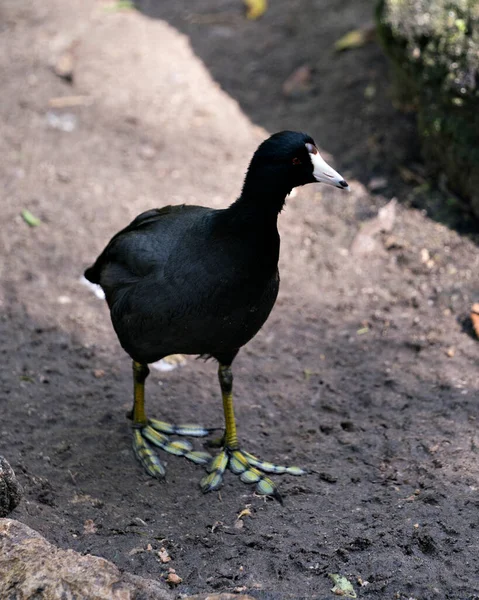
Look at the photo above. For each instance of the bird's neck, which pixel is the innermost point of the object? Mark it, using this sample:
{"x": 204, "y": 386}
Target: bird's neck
{"x": 262, "y": 198}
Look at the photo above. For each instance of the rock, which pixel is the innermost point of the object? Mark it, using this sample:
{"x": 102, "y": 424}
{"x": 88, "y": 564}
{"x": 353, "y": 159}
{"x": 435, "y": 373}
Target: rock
{"x": 364, "y": 242}
{"x": 434, "y": 50}
{"x": 10, "y": 490}
{"x": 31, "y": 567}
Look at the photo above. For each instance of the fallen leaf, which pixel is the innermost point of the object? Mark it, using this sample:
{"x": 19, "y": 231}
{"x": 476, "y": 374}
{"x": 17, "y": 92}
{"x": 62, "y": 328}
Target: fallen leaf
{"x": 246, "y": 512}
{"x": 255, "y": 8}
{"x": 119, "y": 5}
{"x": 342, "y": 587}
{"x": 30, "y": 219}
{"x": 355, "y": 38}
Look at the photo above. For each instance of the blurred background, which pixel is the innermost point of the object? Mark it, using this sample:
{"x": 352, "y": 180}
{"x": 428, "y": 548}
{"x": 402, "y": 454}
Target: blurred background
{"x": 366, "y": 372}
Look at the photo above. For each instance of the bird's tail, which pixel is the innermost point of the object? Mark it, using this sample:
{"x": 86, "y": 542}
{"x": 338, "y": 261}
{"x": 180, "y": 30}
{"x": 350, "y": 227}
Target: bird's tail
{"x": 92, "y": 274}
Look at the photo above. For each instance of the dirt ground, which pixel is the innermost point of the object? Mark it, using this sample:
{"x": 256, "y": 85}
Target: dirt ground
{"x": 367, "y": 370}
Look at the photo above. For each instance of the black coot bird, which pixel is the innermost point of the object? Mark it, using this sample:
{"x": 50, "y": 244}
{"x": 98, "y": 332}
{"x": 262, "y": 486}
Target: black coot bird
{"x": 195, "y": 280}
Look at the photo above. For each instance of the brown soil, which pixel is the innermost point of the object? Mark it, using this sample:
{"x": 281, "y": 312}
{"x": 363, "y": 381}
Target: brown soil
{"x": 367, "y": 371}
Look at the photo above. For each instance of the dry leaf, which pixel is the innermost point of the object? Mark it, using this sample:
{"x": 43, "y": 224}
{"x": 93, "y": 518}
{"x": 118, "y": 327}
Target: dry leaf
{"x": 355, "y": 38}
{"x": 255, "y": 8}
{"x": 30, "y": 219}
{"x": 342, "y": 586}
{"x": 119, "y": 5}
{"x": 246, "y": 512}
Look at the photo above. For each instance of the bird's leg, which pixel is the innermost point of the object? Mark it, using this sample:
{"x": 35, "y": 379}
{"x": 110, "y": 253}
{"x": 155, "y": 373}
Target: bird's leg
{"x": 248, "y": 467}
{"x": 225, "y": 376}
{"x": 141, "y": 448}
{"x": 151, "y": 430}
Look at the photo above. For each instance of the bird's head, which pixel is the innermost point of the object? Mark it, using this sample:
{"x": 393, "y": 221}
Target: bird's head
{"x": 295, "y": 157}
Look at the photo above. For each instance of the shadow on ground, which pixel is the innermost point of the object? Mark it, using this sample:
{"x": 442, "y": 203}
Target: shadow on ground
{"x": 348, "y": 106}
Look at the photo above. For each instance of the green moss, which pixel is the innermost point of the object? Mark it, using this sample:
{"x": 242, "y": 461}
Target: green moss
{"x": 434, "y": 49}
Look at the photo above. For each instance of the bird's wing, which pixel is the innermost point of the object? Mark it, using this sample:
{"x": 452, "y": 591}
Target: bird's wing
{"x": 117, "y": 251}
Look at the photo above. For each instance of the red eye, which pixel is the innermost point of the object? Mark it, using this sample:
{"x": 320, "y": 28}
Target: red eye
{"x": 296, "y": 161}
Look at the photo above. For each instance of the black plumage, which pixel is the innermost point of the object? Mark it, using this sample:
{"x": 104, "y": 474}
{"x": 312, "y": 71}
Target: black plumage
{"x": 195, "y": 280}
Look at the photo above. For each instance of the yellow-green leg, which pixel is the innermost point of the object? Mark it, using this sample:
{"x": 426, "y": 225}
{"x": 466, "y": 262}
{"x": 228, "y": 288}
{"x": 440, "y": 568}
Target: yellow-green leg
{"x": 250, "y": 468}
{"x": 152, "y": 431}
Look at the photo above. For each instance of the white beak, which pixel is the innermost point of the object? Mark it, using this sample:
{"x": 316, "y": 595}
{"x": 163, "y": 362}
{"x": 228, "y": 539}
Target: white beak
{"x": 325, "y": 174}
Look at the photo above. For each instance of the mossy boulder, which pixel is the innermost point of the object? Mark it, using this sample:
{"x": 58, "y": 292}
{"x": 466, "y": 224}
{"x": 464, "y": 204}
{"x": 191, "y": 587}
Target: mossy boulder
{"x": 434, "y": 49}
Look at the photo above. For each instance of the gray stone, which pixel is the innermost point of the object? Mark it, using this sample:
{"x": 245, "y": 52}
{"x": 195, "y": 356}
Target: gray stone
{"x": 10, "y": 490}
{"x": 31, "y": 567}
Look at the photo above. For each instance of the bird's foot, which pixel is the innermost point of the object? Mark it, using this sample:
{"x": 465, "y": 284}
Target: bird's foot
{"x": 157, "y": 433}
{"x": 250, "y": 470}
